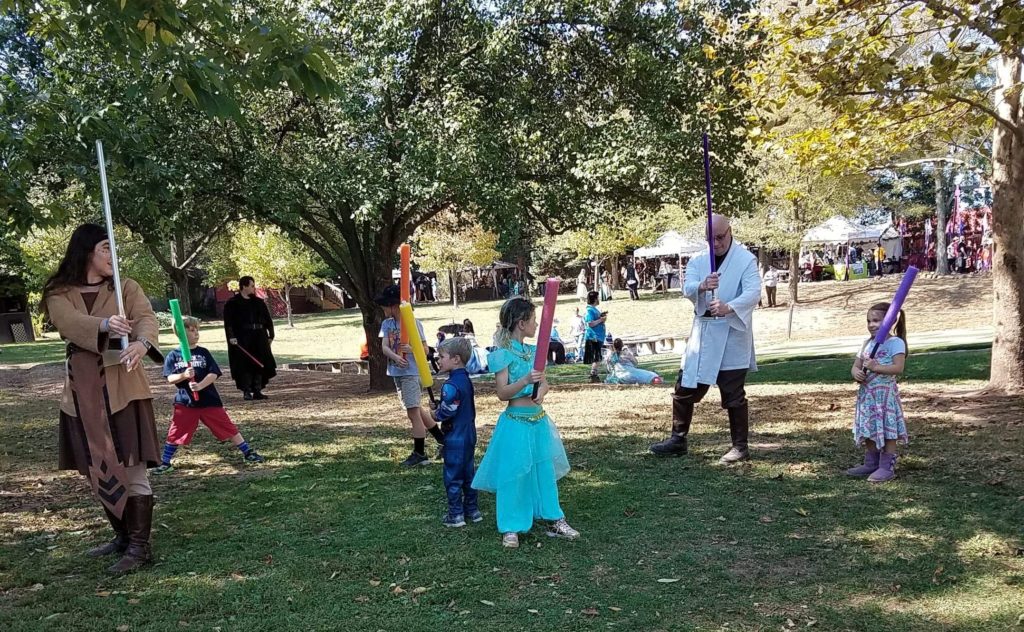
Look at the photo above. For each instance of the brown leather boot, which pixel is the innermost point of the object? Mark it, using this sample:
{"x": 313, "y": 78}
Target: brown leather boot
{"x": 139, "y": 520}
{"x": 118, "y": 544}
{"x": 739, "y": 429}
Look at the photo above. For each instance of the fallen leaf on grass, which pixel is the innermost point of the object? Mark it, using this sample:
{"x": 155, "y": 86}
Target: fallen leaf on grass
{"x": 103, "y": 594}
{"x": 419, "y": 590}
{"x": 36, "y": 587}
{"x": 669, "y": 580}
{"x": 590, "y": 612}
{"x": 766, "y": 519}
{"x": 487, "y": 603}
{"x": 397, "y": 590}
{"x": 123, "y": 628}
{"x": 362, "y": 599}
{"x": 238, "y": 577}
{"x": 375, "y": 582}
{"x": 134, "y": 601}
{"x": 614, "y": 609}
{"x": 803, "y": 512}
{"x": 532, "y": 611}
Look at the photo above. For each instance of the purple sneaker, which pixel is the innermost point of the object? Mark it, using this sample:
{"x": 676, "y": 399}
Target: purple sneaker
{"x": 886, "y": 469}
{"x": 870, "y": 465}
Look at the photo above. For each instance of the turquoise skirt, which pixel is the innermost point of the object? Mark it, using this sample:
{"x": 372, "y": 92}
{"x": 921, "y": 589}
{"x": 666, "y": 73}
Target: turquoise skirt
{"x": 524, "y": 438}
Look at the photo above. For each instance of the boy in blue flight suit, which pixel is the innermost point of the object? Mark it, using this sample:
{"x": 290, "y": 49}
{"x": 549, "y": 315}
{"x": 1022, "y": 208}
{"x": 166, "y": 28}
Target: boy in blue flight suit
{"x": 456, "y": 413}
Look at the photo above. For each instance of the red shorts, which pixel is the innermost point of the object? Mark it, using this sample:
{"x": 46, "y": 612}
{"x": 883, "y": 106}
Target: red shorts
{"x": 185, "y": 421}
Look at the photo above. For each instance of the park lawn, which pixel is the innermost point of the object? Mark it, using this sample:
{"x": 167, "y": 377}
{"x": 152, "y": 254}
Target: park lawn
{"x": 827, "y": 310}
{"x": 331, "y": 534}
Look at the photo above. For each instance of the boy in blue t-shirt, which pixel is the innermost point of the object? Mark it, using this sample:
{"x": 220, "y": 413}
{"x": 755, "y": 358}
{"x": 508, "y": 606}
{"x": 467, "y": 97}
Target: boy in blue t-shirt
{"x": 197, "y": 401}
{"x": 402, "y": 368}
{"x": 456, "y": 412}
{"x": 594, "y": 335}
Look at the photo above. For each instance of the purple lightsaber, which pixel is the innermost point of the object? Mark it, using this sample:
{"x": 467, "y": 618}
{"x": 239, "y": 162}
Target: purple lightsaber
{"x": 894, "y": 308}
{"x": 707, "y": 196}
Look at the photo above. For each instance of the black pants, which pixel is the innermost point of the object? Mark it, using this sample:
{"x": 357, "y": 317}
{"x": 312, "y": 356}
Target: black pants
{"x": 734, "y": 399}
{"x": 633, "y": 293}
{"x": 771, "y": 295}
{"x": 556, "y": 352}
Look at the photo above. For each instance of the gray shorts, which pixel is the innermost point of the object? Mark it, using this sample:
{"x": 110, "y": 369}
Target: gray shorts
{"x": 409, "y": 391}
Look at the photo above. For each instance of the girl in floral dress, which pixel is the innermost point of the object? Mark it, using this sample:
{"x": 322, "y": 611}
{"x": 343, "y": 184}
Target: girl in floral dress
{"x": 878, "y": 423}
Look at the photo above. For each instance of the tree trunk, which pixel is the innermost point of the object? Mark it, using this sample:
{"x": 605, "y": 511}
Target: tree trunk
{"x": 1007, "y": 372}
{"x": 455, "y": 288}
{"x": 762, "y": 259}
{"x": 616, "y": 281}
{"x": 373, "y": 316}
{"x": 941, "y": 217}
{"x": 288, "y": 304}
{"x": 794, "y": 275}
{"x": 179, "y": 279}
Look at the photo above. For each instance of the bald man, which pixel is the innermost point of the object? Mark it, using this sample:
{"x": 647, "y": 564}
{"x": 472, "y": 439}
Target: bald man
{"x": 720, "y": 349}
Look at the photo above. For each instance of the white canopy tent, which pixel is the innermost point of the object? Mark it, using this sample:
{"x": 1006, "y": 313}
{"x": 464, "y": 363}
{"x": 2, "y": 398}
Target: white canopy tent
{"x": 841, "y": 230}
{"x": 672, "y": 244}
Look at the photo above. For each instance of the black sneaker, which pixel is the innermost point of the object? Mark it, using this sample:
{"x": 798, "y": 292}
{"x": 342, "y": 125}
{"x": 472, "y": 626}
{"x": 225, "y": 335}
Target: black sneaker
{"x": 247, "y": 396}
{"x": 594, "y": 378}
{"x": 416, "y": 459}
{"x": 259, "y": 395}
{"x": 474, "y": 515}
{"x": 254, "y": 457}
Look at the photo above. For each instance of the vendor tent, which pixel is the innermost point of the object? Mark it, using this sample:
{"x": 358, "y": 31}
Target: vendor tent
{"x": 671, "y": 244}
{"x": 841, "y": 230}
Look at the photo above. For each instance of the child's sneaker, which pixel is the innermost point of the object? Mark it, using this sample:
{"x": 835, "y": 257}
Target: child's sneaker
{"x": 475, "y": 516}
{"x": 561, "y": 529}
{"x": 594, "y": 378}
{"x": 253, "y": 457}
{"x": 510, "y": 540}
{"x": 416, "y": 459}
{"x": 163, "y": 468}
{"x": 458, "y": 520}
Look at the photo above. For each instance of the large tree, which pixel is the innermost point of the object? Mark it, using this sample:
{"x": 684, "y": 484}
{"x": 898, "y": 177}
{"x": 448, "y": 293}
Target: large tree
{"x": 935, "y": 60}
{"x": 526, "y": 113}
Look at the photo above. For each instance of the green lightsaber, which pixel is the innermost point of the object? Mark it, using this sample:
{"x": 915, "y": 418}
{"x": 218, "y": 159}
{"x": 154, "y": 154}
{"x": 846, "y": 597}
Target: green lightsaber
{"x": 179, "y": 330}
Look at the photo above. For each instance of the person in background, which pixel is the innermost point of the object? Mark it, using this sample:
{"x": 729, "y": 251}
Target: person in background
{"x": 556, "y": 349}
{"x": 771, "y": 284}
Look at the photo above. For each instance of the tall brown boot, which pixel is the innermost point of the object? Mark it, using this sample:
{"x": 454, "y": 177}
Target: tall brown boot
{"x": 739, "y": 429}
{"x": 118, "y": 544}
{"x": 139, "y": 520}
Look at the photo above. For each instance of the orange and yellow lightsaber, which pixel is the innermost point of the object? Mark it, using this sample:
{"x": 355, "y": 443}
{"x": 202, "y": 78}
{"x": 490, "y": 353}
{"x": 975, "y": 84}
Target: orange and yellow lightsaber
{"x": 418, "y": 353}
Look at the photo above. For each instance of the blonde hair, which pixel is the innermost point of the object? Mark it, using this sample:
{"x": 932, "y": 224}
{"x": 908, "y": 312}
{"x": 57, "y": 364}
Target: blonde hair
{"x": 457, "y": 347}
{"x": 514, "y": 311}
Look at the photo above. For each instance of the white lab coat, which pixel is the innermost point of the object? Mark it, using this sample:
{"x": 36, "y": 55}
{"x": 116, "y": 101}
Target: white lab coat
{"x": 721, "y": 344}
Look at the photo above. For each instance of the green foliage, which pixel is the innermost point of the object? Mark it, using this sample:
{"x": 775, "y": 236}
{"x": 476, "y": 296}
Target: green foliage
{"x": 450, "y": 243}
{"x": 274, "y": 260}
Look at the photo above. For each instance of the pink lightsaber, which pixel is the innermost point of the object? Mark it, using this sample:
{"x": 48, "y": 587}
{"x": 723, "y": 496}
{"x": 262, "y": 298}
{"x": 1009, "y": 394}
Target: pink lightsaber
{"x": 547, "y": 318}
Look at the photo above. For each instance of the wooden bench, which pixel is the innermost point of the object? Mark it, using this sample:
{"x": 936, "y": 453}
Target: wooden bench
{"x": 654, "y": 344}
{"x": 351, "y": 366}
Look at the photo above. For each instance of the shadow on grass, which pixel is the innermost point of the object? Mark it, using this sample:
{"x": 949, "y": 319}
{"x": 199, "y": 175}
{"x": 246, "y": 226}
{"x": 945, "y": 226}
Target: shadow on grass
{"x": 333, "y": 531}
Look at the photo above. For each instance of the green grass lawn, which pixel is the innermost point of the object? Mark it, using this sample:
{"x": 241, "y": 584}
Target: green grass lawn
{"x": 331, "y": 535}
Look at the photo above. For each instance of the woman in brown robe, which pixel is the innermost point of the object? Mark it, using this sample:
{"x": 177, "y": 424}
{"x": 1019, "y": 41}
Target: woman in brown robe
{"x": 107, "y": 426}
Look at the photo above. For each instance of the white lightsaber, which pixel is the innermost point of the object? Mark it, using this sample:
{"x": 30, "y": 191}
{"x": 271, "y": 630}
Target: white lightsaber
{"x": 110, "y": 236}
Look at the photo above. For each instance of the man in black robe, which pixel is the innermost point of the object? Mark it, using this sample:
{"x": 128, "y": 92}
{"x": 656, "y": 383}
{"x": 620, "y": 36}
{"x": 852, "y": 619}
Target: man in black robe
{"x": 250, "y": 330}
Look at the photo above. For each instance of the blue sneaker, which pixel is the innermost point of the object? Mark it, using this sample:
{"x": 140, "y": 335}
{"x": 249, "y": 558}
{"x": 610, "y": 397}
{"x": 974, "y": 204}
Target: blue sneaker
{"x": 475, "y": 516}
{"x": 458, "y": 520}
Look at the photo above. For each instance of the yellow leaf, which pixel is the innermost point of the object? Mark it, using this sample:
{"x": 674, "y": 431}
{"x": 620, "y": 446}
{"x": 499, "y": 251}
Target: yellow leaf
{"x": 709, "y": 51}
{"x": 185, "y": 90}
{"x": 123, "y": 2}
{"x": 167, "y": 37}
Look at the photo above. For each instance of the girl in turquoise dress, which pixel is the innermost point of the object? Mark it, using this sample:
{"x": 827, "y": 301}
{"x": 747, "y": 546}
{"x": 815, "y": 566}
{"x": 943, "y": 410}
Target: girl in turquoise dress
{"x": 525, "y": 457}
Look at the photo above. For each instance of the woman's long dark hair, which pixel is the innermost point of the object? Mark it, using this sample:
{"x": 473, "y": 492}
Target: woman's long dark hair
{"x": 901, "y": 321}
{"x": 71, "y": 270}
